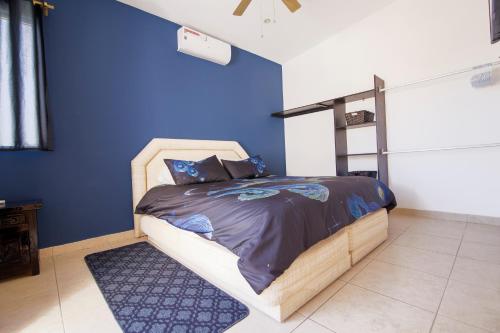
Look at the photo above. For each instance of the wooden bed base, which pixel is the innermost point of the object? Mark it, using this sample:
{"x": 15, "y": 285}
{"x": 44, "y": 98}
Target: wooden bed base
{"x": 309, "y": 274}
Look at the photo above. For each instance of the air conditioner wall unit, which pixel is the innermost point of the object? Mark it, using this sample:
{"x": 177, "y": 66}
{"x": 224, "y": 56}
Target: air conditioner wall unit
{"x": 200, "y": 45}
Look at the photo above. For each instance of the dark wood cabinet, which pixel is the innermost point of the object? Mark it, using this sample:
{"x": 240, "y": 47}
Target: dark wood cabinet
{"x": 19, "y": 239}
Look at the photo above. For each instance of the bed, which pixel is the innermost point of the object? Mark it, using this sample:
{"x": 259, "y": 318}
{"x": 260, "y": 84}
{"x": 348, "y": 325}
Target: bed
{"x": 311, "y": 272}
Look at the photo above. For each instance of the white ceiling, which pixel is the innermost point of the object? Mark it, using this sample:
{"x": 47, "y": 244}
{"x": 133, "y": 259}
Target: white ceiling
{"x": 291, "y": 35}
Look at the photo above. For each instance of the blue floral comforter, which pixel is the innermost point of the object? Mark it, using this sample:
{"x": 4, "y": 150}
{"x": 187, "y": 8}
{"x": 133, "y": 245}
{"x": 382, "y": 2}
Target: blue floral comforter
{"x": 267, "y": 222}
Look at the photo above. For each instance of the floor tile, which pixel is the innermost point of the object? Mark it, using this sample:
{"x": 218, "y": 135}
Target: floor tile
{"x": 26, "y": 286}
{"x": 476, "y": 272}
{"x": 379, "y": 249}
{"x": 450, "y": 229}
{"x": 447, "y": 325}
{"x": 114, "y": 243}
{"x": 478, "y": 251}
{"x": 421, "y": 260}
{"x": 71, "y": 267}
{"x": 394, "y": 232}
{"x": 311, "y": 306}
{"x": 45, "y": 253}
{"x": 413, "y": 287}
{"x": 79, "y": 299}
{"x": 407, "y": 269}
{"x": 37, "y": 313}
{"x": 80, "y": 245}
{"x": 259, "y": 322}
{"x": 358, "y": 267}
{"x": 401, "y": 221}
{"x": 354, "y": 309}
{"x": 310, "y": 326}
{"x": 121, "y": 236}
{"x": 482, "y": 233}
{"x": 80, "y": 294}
{"x": 473, "y": 305}
{"x": 429, "y": 242}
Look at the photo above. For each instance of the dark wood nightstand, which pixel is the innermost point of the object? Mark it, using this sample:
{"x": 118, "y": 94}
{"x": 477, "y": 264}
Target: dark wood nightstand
{"x": 19, "y": 239}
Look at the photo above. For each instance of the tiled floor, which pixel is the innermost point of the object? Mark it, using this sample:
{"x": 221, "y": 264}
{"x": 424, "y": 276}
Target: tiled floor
{"x": 429, "y": 276}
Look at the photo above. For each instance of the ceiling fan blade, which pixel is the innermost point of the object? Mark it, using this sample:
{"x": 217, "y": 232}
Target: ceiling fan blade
{"x": 293, "y": 5}
{"x": 242, "y": 7}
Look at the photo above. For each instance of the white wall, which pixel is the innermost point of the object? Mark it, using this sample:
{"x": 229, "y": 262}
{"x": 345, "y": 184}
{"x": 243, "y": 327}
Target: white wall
{"x": 408, "y": 40}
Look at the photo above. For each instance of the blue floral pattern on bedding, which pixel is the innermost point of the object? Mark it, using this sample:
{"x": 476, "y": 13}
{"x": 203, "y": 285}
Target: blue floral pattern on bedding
{"x": 253, "y": 167}
{"x": 190, "y": 172}
{"x": 259, "y": 164}
{"x": 311, "y": 191}
{"x": 267, "y": 222}
{"x": 187, "y": 166}
{"x": 198, "y": 223}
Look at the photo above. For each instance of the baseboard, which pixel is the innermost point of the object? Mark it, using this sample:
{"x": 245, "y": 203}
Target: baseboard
{"x": 491, "y": 220}
{"x": 87, "y": 243}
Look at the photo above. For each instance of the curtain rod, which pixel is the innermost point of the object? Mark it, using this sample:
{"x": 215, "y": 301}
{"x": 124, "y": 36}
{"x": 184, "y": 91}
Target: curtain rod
{"x": 45, "y": 6}
{"x": 465, "y": 70}
{"x": 487, "y": 145}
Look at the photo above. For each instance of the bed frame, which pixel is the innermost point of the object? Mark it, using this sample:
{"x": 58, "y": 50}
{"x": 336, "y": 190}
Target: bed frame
{"x": 308, "y": 275}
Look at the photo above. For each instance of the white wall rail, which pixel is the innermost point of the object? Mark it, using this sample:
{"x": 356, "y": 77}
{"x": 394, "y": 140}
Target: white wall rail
{"x": 442, "y": 76}
{"x": 479, "y": 146}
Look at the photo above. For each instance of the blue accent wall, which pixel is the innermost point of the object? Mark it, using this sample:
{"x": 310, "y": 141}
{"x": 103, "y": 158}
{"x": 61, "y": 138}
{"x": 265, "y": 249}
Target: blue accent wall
{"x": 115, "y": 82}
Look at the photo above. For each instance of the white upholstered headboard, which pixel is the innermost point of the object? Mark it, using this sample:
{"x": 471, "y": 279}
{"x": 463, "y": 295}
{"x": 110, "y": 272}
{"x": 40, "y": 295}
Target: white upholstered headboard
{"x": 149, "y": 170}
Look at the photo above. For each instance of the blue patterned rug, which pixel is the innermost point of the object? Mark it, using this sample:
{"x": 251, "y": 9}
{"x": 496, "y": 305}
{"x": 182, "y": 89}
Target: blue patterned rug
{"x": 148, "y": 291}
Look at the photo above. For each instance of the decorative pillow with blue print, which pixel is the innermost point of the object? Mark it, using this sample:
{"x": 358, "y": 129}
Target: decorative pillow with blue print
{"x": 253, "y": 167}
{"x": 190, "y": 172}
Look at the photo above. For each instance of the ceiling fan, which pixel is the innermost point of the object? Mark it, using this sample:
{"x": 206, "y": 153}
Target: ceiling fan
{"x": 292, "y": 5}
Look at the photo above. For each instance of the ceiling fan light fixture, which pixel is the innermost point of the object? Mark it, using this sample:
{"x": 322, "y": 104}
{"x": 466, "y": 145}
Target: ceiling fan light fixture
{"x": 242, "y": 7}
{"x": 292, "y": 5}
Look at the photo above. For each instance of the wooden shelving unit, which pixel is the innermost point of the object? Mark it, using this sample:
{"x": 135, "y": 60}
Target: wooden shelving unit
{"x": 339, "y": 110}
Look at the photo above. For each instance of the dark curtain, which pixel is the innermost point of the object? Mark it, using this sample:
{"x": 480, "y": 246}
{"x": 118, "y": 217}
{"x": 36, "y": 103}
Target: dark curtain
{"x": 23, "y": 107}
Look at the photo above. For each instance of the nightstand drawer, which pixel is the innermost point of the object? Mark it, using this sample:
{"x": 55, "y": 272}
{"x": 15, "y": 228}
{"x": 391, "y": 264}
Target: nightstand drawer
{"x": 11, "y": 220}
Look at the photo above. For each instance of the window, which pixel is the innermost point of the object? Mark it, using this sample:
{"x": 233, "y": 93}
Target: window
{"x": 23, "y": 110}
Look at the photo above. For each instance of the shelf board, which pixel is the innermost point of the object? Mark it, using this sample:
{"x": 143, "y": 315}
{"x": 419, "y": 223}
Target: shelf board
{"x": 356, "y": 97}
{"x": 325, "y": 105}
{"x": 371, "y": 123}
{"x": 358, "y": 154}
